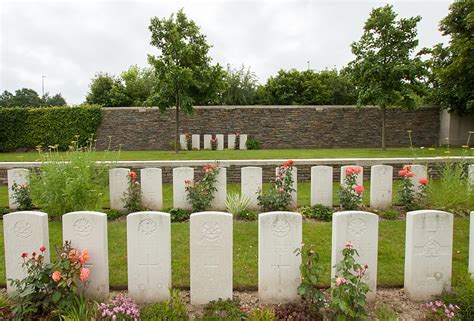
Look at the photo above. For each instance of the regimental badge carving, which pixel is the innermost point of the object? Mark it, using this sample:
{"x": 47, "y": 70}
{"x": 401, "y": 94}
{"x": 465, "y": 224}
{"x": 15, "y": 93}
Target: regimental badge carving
{"x": 431, "y": 248}
{"x": 22, "y": 229}
{"x": 211, "y": 231}
{"x": 280, "y": 228}
{"x": 82, "y": 227}
{"x": 147, "y": 227}
{"x": 357, "y": 227}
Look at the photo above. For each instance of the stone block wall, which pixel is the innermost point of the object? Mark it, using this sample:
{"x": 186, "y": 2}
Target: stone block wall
{"x": 133, "y": 128}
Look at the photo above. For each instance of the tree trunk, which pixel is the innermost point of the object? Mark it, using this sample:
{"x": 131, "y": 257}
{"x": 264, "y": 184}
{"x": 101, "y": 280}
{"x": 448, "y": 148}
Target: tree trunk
{"x": 176, "y": 141}
{"x": 382, "y": 110}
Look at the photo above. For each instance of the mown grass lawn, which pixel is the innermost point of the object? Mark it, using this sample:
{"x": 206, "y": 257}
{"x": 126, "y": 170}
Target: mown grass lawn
{"x": 390, "y": 264}
{"x": 256, "y": 154}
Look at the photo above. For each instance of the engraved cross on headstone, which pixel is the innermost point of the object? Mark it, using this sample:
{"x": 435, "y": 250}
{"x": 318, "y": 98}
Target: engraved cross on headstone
{"x": 280, "y": 252}
{"x": 148, "y": 266}
{"x": 210, "y": 267}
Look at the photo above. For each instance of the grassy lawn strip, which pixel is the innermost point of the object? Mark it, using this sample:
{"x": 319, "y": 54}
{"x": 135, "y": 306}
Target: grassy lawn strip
{"x": 254, "y": 154}
{"x": 390, "y": 264}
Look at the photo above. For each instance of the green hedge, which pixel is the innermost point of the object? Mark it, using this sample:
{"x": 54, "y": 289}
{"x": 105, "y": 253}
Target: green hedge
{"x": 24, "y": 127}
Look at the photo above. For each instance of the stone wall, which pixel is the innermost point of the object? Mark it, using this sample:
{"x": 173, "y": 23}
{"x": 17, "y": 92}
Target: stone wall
{"x": 133, "y": 128}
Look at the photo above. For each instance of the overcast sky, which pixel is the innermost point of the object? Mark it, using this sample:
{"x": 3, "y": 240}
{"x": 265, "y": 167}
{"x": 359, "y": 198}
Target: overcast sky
{"x": 70, "y": 41}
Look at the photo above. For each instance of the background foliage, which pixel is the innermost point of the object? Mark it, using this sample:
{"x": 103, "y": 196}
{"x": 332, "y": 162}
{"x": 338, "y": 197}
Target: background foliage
{"x": 22, "y": 127}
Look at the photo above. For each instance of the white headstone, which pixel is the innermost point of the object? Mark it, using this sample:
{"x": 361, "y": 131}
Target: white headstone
{"x": 428, "y": 254}
{"x": 118, "y": 182}
{"x": 149, "y": 256}
{"x": 88, "y": 230}
{"x": 20, "y": 176}
{"x": 152, "y": 188}
{"x": 381, "y": 180}
{"x": 182, "y": 142}
{"x": 419, "y": 171}
{"x": 471, "y": 245}
{"x": 218, "y": 203}
{"x": 251, "y": 184}
{"x": 321, "y": 185}
{"x": 231, "y": 141}
{"x": 243, "y": 141}
{"x": 220, "y": 141}
{"x": 196, "y": 142}
{"x": 471, "y": 176}
{"x": 211, "y": 256}
{"x": 279, "y": 235}
{"x": 180, "y": 176}
{"x": 23, "y": 232}
{"x": 360, "y": 176}
{"x": 207, "y": 141}
{"x": 294, "y": 195}
{"x": 360, "y": 228}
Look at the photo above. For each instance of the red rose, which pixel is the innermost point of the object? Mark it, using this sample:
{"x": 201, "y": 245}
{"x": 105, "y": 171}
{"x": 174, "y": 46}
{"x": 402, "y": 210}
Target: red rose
{"x": 409, "y": 174}
{"x": 24, "y": 254}
{"x": 423, "y": 181}
{"x": 133, "y": 176}
{"x": 43, "y": 248}
{"x": 402, "y": 172}
{"x": 359, "y": 189}
{"x": 356, "y": 170}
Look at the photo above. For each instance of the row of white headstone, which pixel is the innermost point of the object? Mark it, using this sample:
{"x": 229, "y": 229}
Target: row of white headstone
{"x": 381, "y": 185}
{"x": 428, "y": 251}
{"x": 231, "y": 141}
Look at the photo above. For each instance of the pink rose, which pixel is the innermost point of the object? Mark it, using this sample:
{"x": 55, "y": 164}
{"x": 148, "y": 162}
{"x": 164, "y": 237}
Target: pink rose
{"x": 349, "y": 245}
{"x": 356, "y": 170}
{"x": 84, "y": 274}
{"x": 423, "y": 181}
{"x": 340, "y": 281}
{"x": 359, "y": 189}
{"x": 56, "y": 276}
{"x": 409, "y": 174}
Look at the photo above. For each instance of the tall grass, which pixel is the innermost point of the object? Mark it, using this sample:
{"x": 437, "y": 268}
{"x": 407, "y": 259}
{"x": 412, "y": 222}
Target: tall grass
{"x": 69, "y": 181}
{"x": 452, "y": 193}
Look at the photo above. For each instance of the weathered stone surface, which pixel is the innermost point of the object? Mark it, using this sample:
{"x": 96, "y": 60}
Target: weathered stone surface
{"x": 20, "y": 176}
{"x": 118, "y": 183}
{"x": 180, "y": 176}
{"x": 471, "y": 245}
{"x": 321, "y": 185}
{"x": 152, "y": 188}
{"x": 220, "y": 141}
{"x": 231, "y": 141}
{"x": 419, "y": 171}
{"x": 182, "y": 142}
{"x": 207, "y": 142}
{"x": 251, "y": 184}
{"x": 360, "y": 176}
{"x": 196, "y": 141}
{"x": 149, "y": 256}
{"x": 243, "y": 141}
{"x": 428, "y": 254}
{"x": 361, "y": 229}
{"x": 381, "y": 181}
{"x": 211, "y": 256}
{"x": 294, "y": 195}
{"x": 23, "y": 232}
{"x": 279, "y": 234}
{"x": 218, "y": 203}
{"x": 88, "y": 230}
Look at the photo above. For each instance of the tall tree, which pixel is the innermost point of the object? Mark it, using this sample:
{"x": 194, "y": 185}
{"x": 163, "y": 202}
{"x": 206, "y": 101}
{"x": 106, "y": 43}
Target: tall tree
{"x": 452, "y": 67}
{"x": 107, "y": 90}
{"x": 138, "y": 84}
{"x": 27, "y": 97}
{"x": 385, "y": 70}
{"x": 55, "y": 100}
{"x": 183, "y": 67}
{"x": 241, "y": 86}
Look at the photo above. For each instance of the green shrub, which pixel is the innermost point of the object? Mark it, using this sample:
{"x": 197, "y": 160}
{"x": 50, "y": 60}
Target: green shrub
{"x": 172, "y": 309}
{"x": 236, "y": 203}
{"x": 29, "y": 127}
{"x": 350, "y": 195}
{"x": 252, "y": 143}
{"x": 452, "y": 192}
{"x": 385, "y": 313}
{"x": 79, "y": 310}
{"x": 22, "y": 196}
{"x": 201, "y": 193}
{"x": 263, "y": 314}
{"x": 310, "y": 270}
{"x": 389, "y": 214}
{"x": 3, "y": 211}
{"x": 69, "y": 181}
{"x": 178, "y": 214}
{"x": 113, "y": 214}
{"x": 247, "y": 215}
{"x": 223, "y": 310}
{"x": 278, "y": 197}
{"x": 462, "y": 295}
{"x": 317, "y": 211}
{"x": 132, "y": 198}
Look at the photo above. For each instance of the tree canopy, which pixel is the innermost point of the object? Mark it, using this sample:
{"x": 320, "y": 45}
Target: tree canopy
{"x": 27, "y": 97}
{"x": 385, "y": 70}
{"x": 452, "y": 67}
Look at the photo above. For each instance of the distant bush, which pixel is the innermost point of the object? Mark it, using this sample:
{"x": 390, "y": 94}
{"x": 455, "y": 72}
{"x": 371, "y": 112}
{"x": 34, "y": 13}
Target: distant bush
{"x": 317, "y": 211}
{"x": 29, "y": 127}
{"x": 389, "y": 214}
{"x": 252, "y": 143}
{"x": 178, "y": 214}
